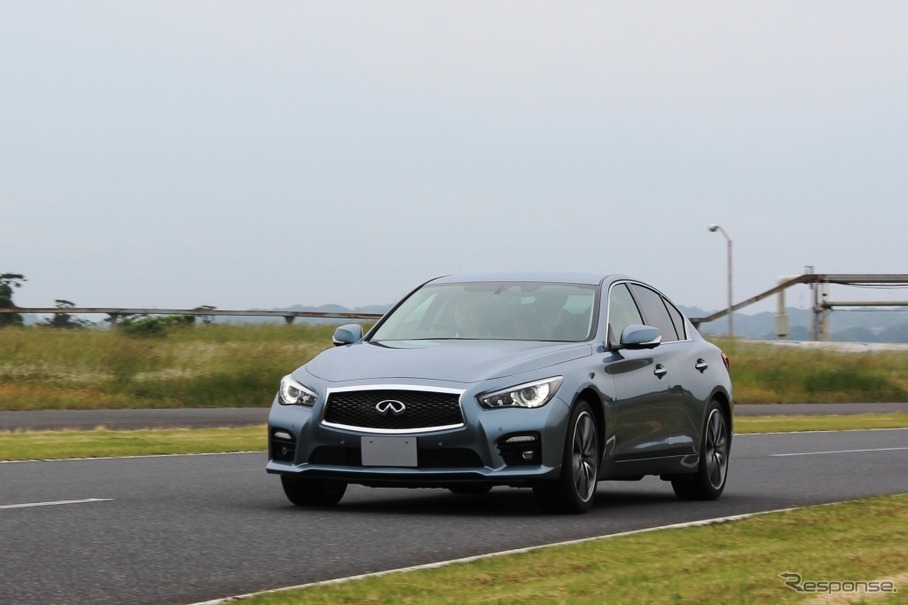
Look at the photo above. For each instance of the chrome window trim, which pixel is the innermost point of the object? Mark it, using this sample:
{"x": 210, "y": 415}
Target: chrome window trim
{"x": 688, "y": 337}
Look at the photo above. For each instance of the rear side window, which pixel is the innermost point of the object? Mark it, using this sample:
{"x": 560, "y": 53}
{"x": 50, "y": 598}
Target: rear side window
{"x": 655, "y": 312}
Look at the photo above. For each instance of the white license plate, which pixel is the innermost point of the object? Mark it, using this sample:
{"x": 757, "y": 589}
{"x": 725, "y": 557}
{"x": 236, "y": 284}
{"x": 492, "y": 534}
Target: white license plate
{"x": 388, "y": 451}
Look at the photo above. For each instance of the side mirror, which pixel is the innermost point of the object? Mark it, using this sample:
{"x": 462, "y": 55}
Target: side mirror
{"x": 640, "y": 337}
{"x": 347, "y": 334}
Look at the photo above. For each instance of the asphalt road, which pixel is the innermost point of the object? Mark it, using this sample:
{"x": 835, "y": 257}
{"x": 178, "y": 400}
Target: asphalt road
{"x": 51, "y": 420}
{"x": 184, "y": 529}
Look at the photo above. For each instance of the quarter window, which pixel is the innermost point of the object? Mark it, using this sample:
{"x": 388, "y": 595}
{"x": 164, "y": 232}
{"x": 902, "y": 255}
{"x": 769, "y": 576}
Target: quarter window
{"x": 677, "y": 319}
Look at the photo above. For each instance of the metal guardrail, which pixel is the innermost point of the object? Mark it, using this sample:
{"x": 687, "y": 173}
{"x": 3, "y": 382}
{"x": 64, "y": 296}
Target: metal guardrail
{"x": 116, "y": 312}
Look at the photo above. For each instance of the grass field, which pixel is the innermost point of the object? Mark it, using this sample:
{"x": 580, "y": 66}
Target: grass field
{"x": 241, "y": 365}
{"x": 764, "y": 373}
{"x": 194, "y": 366}
{"x": 102, "y": 443}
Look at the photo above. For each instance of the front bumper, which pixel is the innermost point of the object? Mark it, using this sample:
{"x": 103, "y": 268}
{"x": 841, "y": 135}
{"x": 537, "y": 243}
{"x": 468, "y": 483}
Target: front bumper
{"x": 498, "y": 447}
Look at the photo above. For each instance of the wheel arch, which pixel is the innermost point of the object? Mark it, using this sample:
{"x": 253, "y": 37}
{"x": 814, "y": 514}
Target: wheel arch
{"x": 722, "y": 398}
{"x": 591, "y": 396}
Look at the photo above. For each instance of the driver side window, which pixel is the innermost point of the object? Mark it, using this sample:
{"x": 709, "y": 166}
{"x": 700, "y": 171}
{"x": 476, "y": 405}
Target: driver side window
{"x": 622, "y": 312}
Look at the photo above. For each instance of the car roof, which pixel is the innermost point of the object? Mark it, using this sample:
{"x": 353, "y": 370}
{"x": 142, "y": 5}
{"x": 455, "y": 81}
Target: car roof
{"x": 558, "y": 277}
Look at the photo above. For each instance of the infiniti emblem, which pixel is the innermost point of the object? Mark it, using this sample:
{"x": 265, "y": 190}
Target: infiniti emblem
{"x": 390, "y": 407}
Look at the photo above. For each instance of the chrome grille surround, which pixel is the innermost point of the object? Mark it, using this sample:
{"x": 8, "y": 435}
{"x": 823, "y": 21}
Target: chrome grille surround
{"x": 428, "y": 409}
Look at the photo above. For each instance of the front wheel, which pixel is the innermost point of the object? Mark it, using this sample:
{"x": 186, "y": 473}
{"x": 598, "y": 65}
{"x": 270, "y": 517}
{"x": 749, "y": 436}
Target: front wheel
{"x": 709, "y": 481}
{"x": 313, "y": 492}
{"x": 575, "y": 490}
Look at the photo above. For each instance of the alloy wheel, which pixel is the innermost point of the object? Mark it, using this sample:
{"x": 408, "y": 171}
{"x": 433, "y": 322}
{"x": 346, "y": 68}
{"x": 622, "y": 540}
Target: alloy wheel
{"x": 716, "y": 449}
{"x": 585, "y": 456}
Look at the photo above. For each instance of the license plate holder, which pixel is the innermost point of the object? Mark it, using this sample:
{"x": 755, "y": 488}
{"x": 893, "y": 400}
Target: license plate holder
{"x": 388, "y": 451}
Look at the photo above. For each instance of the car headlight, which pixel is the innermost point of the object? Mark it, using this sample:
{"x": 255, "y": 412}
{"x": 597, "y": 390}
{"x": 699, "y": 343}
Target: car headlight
{"x": 293, "y": 393}
{"x": 529, "y": 395}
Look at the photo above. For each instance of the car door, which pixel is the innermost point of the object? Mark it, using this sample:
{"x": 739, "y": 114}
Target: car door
{"x": 642, "y": 395}
{"x": 678, "y": 413}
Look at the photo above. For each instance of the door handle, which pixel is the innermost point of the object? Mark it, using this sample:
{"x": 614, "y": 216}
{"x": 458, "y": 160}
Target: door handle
{"x": 701, "y": 366}
{"x": 660, "y": 371}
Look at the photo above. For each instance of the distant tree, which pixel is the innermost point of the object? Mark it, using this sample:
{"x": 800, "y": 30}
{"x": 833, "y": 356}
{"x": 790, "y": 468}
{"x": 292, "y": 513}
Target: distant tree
{"x": 8, "y": 281}
{"x": 64, "y": 319}
{"x": 115, "y": 319}
{"x": 144, "y": 326}
{"x": 141, "y": 325}
{"x": 206, "y": 319}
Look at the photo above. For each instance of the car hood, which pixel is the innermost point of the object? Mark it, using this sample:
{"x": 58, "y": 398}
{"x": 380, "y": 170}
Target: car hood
{"x": 450, "y": 360}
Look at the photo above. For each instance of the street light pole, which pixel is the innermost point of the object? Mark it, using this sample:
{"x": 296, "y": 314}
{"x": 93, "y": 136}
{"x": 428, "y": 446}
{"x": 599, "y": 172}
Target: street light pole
{"x": 731, "y": 324}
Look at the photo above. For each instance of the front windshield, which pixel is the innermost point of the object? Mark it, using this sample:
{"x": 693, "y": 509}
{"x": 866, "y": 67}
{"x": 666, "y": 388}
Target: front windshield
{"x": 493, "y": 311}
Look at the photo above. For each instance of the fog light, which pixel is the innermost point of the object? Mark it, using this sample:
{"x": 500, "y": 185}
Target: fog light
{"x": 521, "y": 449}
{"x": 283, "y": 446}
{"x": 520, "y": 439}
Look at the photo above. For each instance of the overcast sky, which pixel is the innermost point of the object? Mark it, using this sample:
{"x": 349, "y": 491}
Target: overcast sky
{"x": 265, "y": 154}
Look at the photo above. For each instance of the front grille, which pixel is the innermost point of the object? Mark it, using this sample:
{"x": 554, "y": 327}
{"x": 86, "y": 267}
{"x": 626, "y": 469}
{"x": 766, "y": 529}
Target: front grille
{"x": 422, "y": 410}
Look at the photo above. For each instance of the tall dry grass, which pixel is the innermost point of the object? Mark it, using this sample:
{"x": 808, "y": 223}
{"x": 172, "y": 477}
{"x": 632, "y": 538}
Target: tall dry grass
{"x": 766, "y": 373}
{"x": 194, "y": 366}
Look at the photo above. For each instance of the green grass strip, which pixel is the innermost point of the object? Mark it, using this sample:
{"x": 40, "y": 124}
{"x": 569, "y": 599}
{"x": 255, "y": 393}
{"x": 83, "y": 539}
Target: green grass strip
{"x": 52, "y": 445}
{"x": 732, "y": 562}
{"x": 787, "y": 424}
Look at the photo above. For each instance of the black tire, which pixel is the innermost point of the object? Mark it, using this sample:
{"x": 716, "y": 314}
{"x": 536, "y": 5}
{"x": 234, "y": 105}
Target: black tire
{"x": 708, "y": 482}
{"x": 575, "y": 490}
{"x": 313, "y": 492}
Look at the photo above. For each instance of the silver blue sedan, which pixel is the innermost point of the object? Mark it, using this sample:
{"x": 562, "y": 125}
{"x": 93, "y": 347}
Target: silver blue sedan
{"x": 548, "y": 381}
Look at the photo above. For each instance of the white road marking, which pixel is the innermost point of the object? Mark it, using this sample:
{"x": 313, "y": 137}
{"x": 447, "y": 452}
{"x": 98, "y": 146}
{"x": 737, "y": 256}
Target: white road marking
{"x": 878, "y": 449}
{"x": 56, "y": 503}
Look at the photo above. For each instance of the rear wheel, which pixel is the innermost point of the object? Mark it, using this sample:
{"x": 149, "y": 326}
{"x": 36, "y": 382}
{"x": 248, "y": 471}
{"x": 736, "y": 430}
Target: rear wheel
{"x": 313, "y": 492}
{"x": 709, "y": 481}
{"x": 575, "y": 490}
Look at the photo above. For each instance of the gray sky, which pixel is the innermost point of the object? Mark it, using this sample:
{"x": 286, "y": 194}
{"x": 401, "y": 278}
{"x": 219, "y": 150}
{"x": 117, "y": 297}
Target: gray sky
{"x": 264, "y": 154}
